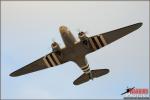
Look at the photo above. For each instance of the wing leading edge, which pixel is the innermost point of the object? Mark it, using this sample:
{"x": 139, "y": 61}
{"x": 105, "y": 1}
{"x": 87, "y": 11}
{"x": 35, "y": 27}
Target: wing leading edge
{"x": 98, "y": 41}
{"x": 50, "y": 60}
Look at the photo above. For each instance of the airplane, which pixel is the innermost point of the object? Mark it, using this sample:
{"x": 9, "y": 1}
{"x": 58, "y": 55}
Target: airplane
{"x": 76, "y": 51}
{"x": 128, "y": 90}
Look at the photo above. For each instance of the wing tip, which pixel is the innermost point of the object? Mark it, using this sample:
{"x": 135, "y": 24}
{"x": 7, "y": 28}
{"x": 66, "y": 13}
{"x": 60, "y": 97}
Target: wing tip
{"x": 13, "y": 74}
{"x": 75, "y": 83}
{"x": 139, "y": 24}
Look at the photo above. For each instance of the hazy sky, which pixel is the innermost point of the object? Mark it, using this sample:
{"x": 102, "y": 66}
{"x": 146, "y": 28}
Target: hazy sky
{"x": 28, "y": 28}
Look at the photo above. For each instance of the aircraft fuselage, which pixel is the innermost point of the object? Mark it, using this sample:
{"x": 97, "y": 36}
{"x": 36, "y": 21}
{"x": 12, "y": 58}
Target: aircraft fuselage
{"x": 67, "y": 36}
{"x": 74, "y": 50}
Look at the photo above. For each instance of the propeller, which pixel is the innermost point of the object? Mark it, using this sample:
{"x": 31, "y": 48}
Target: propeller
{"x": 53, "y": 41}
{"x": 79, "y": 30}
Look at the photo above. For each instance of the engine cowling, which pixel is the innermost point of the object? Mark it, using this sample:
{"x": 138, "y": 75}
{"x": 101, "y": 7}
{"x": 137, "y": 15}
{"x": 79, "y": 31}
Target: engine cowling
{"x": 82, "y": 36}
{"x": 55, "y": 46}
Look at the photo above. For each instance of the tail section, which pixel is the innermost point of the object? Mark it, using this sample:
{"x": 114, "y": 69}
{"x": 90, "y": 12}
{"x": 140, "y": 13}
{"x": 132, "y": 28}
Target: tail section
{"x": 93, "y": 74}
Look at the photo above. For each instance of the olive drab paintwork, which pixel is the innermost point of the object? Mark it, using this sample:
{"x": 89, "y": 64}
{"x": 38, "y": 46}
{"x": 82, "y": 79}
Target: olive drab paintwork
{"x": 76, "y": 51}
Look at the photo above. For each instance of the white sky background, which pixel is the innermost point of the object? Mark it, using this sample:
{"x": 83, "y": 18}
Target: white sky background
{"x": 28, "y": 28}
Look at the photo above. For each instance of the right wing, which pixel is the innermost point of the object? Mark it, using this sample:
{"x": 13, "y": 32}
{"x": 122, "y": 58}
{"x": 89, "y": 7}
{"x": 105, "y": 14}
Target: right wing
{"x": 50, "y": 60}
{"x": 98, "y": 41}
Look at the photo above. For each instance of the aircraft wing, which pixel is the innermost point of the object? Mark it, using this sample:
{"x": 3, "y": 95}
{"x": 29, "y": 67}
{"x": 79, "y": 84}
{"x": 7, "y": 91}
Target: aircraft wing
{"x": 50, "y": 60}
{"x": 98, "y": 41}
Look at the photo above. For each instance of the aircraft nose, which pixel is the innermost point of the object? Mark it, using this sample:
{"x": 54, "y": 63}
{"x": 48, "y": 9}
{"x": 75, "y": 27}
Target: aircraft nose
{"x": 63, "y": 29}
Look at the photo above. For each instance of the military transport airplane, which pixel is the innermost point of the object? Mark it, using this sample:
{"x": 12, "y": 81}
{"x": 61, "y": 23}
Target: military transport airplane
{"x": 76, "y": 51}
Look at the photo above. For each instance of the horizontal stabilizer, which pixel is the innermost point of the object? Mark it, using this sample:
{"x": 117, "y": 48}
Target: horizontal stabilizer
{"x": 86, "y": 77}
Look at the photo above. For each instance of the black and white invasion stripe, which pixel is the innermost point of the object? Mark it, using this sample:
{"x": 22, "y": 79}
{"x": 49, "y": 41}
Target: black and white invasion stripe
{"x": 86, "y": 69}
{"x": 97, "y": 42}
{"x": 51, "y": 60}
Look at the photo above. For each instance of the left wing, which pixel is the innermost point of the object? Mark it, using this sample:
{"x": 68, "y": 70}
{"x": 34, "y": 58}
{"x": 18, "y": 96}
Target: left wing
{"x": 98, "y": 41}
{"x": 50, "y": 60}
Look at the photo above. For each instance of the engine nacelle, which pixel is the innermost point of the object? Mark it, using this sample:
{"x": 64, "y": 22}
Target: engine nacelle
{"x": 55, "y": 46}
{"x": 82, "y": 36}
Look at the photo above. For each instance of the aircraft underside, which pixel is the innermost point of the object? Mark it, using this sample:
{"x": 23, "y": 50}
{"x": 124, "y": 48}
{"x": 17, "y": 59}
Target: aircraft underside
{"x": 76, "y": 51}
